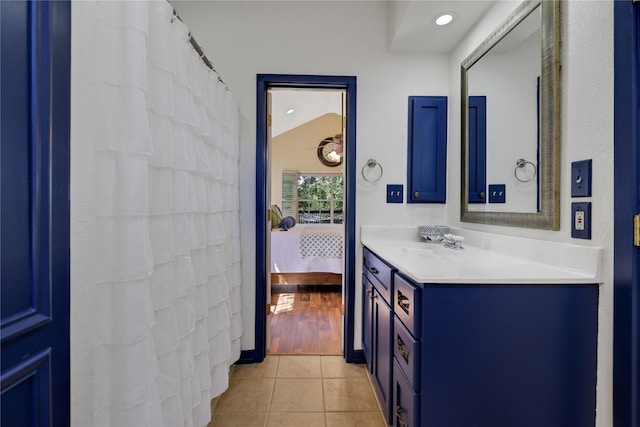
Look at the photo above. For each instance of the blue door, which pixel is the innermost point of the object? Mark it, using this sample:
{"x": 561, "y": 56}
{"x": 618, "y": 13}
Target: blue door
{"x": 626, "y": 321}
{"x": 34, "y": 260}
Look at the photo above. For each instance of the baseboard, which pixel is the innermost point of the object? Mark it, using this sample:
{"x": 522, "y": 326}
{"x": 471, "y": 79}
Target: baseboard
{"x": 253, "y": 356}
{"x": 355, "y": 356}
{"x": 250, "y": 356}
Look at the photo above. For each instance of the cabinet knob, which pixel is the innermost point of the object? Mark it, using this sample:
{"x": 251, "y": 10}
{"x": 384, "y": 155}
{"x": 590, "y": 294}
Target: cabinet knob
{"x": 483, "y": 194}
{"x": 373, "y": 270}
{"x": 416, "y": 194}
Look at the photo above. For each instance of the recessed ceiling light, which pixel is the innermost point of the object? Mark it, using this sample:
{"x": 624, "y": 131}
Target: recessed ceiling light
{"x": 291, "y": 110}
{"x": 444, "y": 19}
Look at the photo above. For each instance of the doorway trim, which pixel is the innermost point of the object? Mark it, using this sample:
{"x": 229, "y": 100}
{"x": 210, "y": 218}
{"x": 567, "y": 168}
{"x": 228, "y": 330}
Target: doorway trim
{"x": 626, "y": 319}
{"x": 264, "y": 83}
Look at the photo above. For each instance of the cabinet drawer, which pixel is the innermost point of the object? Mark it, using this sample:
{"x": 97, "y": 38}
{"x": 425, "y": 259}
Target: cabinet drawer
{"x": 406, "y": 304}
{"x": 406, "y": 407}
{"x": 379, "y": 274}
{"x": 407, "y": 353}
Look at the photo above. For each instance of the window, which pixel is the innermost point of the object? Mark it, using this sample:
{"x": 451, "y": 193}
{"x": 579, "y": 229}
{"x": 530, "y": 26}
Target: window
{"x": 320, "y": 198}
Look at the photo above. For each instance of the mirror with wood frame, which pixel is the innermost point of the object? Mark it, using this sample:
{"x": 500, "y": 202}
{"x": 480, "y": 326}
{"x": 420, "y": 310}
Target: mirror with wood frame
{"x": 510, "y": 100}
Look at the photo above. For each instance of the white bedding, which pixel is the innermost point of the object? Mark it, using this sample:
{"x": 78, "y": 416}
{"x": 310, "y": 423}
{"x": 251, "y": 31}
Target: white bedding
{"x": 307, "y": 248}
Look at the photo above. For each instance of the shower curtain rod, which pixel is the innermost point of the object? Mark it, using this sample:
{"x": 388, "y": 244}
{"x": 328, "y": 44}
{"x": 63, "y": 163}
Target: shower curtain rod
{"x": 197, "y": 47}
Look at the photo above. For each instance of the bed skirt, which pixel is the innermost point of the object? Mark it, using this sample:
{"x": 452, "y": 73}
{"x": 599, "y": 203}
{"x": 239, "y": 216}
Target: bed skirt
{"x": 306, "y": 278}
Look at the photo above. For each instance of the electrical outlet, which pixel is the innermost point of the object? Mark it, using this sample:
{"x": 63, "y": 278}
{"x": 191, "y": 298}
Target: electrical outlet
{"x": 581, "y": 178}
{"x": 497, "y": 193}
{"x": 581, "y": 220}
{"x": 394, "y": 193}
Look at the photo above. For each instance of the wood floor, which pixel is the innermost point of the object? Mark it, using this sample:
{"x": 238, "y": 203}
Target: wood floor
{"x": 306, "y": 319}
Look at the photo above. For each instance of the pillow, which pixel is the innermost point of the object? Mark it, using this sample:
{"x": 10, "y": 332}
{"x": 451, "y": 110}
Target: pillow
{"x": 287, "y": 223}
{"x": 276, "y": 217}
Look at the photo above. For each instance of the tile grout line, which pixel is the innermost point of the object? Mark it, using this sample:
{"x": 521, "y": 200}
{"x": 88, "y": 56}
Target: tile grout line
{"x": 324, "y": 404}
{"x": 273, "y": 389}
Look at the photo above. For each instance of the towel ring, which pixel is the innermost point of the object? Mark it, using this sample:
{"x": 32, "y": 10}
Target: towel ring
{"x": 372, "y": 164}
{"x": 521, "y": 164}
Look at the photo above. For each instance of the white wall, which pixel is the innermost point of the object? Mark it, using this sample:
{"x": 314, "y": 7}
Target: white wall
{"x": 509, "y": 81}
{"x": 587, "y": 133}
{"x": 247, "y": 38}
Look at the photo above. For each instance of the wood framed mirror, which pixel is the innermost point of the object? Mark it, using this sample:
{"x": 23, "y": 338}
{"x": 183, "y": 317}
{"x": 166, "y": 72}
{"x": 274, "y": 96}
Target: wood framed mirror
{"x": 513, "y": 77}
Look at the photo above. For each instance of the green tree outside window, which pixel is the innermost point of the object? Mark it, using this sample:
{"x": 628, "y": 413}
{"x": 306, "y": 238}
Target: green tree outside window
{"x": 320, "y": 199}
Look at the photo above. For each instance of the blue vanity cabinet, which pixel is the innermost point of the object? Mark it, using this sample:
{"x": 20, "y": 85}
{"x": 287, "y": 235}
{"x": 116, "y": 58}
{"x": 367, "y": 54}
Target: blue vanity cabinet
{"x": 494, "y": 355}
{"x": 377, "y": 285}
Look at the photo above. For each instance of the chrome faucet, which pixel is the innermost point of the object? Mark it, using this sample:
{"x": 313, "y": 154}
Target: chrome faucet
{"x": 452, "y": 241}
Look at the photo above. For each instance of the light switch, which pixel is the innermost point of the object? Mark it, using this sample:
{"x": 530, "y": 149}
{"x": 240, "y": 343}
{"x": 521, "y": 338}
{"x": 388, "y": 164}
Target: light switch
{"x": 497, "y": 193}
{"x": 581, "y": 178}
{"x": 394, "y": 193}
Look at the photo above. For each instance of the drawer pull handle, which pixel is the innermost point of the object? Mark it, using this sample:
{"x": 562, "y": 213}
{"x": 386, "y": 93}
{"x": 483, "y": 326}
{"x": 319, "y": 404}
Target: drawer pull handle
{"x": 403, "y": 350}
{"x": 403, "y": 302}
{"x": 399, "y": 411}
{"x": 373, "y": 270}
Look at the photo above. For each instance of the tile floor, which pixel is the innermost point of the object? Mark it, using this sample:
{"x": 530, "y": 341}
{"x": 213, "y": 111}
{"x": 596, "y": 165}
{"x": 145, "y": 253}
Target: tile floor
{"x": 308, "y": 391}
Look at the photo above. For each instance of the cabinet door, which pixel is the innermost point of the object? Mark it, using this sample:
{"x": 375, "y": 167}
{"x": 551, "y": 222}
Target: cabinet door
{"x": 383, "y": 352}
{"x": 367, "y": 321}
{"x": 427, "y": 150}
{"x": 477, "y": 150}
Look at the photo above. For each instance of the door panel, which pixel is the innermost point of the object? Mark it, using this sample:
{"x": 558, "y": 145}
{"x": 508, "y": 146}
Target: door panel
{"x": 34, "y": 260}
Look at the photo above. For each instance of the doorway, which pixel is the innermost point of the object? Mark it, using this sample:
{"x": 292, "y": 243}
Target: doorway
{"x": 306, "y": 173}
{"x": 267, "y": 85}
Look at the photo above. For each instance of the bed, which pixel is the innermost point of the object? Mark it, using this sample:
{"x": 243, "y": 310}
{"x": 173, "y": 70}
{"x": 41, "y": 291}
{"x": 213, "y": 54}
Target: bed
{"x": 307, "y": 254}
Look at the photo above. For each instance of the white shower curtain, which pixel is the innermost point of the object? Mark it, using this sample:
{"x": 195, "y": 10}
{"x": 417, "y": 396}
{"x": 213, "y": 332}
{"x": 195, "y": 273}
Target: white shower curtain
{"x": 165, "y": 282}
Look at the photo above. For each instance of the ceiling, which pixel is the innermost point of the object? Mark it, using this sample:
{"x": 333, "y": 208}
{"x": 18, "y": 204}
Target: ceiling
{"x": 411, "y": 30}
{"x": 307, "y": 104}
{"x": 412, "y": 27}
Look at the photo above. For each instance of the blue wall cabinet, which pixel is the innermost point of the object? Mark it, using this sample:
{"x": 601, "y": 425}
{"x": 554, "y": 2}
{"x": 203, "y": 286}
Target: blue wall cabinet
{"x": 427, "y": 149}
{"x": 34, "y": 324}
{"x": 477, "y": 149}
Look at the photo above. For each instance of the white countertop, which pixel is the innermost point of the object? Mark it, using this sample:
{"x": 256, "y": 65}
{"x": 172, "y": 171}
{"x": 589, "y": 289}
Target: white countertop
{"x": 486, "y": 258}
